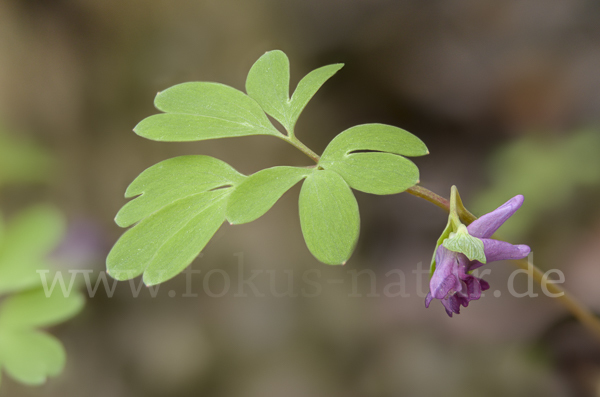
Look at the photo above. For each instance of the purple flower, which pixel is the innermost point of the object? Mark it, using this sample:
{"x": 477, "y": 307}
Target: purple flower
{"x": 451, "y": 282}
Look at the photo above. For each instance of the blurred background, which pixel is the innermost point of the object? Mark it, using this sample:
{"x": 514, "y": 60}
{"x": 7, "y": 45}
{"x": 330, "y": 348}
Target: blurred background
{"x": 506, "y": 95}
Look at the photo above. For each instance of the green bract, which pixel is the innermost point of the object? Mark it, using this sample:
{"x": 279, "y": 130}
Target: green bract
{"x": 463, "y": 242}
{"x": 180, "y": 203}
{"x": 456, "y": 237}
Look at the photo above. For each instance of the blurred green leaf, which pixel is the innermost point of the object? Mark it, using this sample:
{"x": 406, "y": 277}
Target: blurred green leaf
{"x": 200, "y": 110}
{"x": 28, "y": 238}
{"x": 368, "y": 158}
{"x": 36, "y": 309}
{"x": 268, "y": 83}
{"x": 29, "y": 355}
{"x": 22, "y": 162}
{"x": 252, "y": 198}
{"x": 546, "y": 170}
{"x": 172, "y": 180}
{"x": 329, "y": 217}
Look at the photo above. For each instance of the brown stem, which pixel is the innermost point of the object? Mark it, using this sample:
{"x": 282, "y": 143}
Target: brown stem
{"x": 582, "y": 313}
{"x": 440, "y": 201}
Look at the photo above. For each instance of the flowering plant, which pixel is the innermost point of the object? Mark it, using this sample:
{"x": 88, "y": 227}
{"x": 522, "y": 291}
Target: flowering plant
{"x": 180, "y": 203}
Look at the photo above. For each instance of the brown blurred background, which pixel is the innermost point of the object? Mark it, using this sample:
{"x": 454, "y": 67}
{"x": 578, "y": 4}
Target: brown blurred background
{"x": 483, "y": 83}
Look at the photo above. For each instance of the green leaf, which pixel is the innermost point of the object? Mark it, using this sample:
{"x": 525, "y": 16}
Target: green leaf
{"x": 29, "y": 355}
{"x": 377, "y": 173}
{"x": 375, "y": 137}
{"x": 164, "y": 243}
{"x": 28, "y": 239}
{"x": 268, "y": 83}
{"x": 252, "y": 198}
{"x": 329, "y": 217}
{"x": 369, "y": 158}
{"x": 35, "y": 308}
{"x": 307, "y": 88}
{"x": 181, "y": 205}
{"x": 172, "y": 180}
{"x": 184, "y": 246}
{"x": 463, "y": 242}
{"x": 200, "y": 110}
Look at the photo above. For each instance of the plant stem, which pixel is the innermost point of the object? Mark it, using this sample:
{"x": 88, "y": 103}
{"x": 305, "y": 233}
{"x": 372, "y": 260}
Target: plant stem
{"x": 291, "y": 138}
{"x": 441, "y": 202}
{"x": 582, "y": 313}
{"x": 579, "y": 311}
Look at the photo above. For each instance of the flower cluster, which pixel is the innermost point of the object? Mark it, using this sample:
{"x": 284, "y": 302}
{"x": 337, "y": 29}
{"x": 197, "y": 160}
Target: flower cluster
{"x": 452, "y": 282}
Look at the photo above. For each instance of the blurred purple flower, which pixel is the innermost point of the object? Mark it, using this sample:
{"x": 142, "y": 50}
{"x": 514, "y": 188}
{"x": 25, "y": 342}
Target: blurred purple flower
{"x": 451, "y": 282}
{"x": 85, "y": 245}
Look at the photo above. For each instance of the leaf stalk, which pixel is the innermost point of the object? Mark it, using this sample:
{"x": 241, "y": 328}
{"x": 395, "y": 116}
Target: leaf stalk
{"x": 291, "y": 138}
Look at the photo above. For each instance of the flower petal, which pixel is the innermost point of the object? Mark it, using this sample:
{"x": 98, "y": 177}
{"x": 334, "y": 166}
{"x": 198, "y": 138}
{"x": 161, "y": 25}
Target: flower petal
{"x": 428, "y": 299}
{"x": 452, "y": 305}
{"x": 443, "y": 256}
{"x": 475, "y": 264}
{"x": 484, "y": 284}
{"x": 444, "y": 278}
{"x": 496, "y": 250}
{"x": 439, "y": 290}
{"x": 448, "y": 311}
{"x": 473, "y": 288}
{"x": 462, "y": 300}
{"x": 487, "y": 225}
